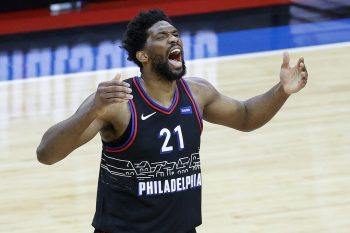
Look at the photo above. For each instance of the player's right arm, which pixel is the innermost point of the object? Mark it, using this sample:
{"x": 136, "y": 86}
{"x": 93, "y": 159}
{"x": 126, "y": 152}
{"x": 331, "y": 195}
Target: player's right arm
{"x": 64, "y": 137}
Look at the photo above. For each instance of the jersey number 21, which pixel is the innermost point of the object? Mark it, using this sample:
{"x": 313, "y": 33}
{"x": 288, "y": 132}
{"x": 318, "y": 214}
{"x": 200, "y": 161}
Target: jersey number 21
{"x": 166, "y": 148}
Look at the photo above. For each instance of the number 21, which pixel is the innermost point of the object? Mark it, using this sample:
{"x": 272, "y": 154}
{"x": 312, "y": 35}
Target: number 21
{"x": 167, "y": 134}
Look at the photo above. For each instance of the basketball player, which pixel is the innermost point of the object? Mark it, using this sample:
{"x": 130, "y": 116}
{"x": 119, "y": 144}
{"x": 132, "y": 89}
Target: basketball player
{"x": 150, "y": 176}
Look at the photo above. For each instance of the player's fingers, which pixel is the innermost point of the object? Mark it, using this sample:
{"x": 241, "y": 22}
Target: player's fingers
{"x": 109, "y": 89}
{"x": 119, "y": 82}
{"x": 301, "y": 63}
{"x": 116, "y": 100}
{"x": 303, "y": 79}
{"x": 303, "y": 83}
{"x": 286, "y": 59}
{"x": 117, "y": 77}
{"x": 304, "y": 71}
{"x": 303, "y": 74}
{"x": 304, "y": 68}
{"x": 114, "y": 83}
{"x": 119, "y": 95}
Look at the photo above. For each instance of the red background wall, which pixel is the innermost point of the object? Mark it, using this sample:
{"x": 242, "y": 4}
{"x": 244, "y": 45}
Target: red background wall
{"x": 116, "y": 11}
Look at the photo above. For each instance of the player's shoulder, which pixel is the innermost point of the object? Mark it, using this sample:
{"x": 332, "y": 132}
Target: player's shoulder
{"x": 201, "y": 88}
{"x": 198, "y": 83}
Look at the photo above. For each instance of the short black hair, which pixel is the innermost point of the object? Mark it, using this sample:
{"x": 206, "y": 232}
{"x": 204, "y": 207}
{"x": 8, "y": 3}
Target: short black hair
{"x": 135, "y": 36}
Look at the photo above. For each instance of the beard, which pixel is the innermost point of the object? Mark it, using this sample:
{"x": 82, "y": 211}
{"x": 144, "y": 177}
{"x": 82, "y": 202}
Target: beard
{"x": 162, "y": 68}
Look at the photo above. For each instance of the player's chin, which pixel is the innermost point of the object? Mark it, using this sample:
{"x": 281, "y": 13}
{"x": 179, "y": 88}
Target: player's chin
{"x": 178, "y": 71}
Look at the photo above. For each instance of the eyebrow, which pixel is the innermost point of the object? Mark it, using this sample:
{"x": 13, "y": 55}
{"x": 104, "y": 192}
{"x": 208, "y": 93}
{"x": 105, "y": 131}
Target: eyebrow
{"x": 166, "y": 31}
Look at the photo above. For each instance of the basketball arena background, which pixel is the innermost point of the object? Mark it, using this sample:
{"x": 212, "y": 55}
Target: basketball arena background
{"x": 46, "y": 38}
{"x": 53, "y": 53}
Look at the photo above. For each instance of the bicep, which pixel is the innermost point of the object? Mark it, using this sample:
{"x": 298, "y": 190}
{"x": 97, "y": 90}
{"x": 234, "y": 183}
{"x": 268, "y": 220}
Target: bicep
{"x": 216, "y": 107}
{"x": 224, "y": 110}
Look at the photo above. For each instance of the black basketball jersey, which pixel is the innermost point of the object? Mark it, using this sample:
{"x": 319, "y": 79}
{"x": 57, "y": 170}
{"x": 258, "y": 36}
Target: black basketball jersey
{"x": 151, "y": 182}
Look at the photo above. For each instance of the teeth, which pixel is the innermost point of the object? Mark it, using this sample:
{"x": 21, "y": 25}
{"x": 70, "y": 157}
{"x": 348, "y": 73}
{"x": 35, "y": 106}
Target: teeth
{"x": 175, "y": 51}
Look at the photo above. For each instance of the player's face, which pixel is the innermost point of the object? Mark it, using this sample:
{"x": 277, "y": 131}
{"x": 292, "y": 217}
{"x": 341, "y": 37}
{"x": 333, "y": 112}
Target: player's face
{"x": 164, "y": 48}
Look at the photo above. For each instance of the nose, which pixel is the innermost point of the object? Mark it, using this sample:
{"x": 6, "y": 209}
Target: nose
{"x": 173, "y": 39}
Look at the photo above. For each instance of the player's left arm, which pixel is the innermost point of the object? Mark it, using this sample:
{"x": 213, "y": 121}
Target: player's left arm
{"x": 255, "y": 112}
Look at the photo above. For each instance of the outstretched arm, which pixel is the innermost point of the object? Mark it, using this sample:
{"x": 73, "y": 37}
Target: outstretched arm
{"x": 64, "y": 137}
{"x": 257, "y": 111}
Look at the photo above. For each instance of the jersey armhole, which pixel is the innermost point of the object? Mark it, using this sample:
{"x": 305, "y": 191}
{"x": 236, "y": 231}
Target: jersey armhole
{"x": 194, "y": 104}
{"x": 128, "y": 137}
{"x": 122, "y": 139}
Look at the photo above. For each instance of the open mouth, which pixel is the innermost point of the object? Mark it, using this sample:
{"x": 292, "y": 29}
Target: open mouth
{"x": 175, "y": 58}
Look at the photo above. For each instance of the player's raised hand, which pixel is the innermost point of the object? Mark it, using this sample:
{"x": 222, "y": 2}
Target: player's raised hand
{"x": 294, "y": 78}
{"x": 110, "y": 92}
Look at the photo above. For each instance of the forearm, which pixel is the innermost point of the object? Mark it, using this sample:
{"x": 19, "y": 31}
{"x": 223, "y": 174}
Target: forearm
{"x": 62, "y": 138}
{"x": 260, "y": 109}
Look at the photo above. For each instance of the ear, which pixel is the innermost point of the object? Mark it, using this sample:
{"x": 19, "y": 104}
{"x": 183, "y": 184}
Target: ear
{"x": 142, "y": 56}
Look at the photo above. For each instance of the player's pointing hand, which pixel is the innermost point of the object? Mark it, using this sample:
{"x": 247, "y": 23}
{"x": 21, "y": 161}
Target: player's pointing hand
{"x": 294, "y": 78}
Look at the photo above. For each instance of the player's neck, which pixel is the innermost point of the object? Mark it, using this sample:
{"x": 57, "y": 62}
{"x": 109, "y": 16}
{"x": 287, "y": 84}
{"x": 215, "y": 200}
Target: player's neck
{"x": 158, "y": 88}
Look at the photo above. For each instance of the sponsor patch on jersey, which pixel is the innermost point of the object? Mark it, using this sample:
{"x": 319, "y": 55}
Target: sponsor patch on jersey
{"x": 186, "y": 110}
